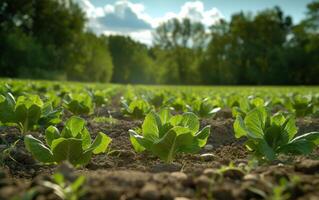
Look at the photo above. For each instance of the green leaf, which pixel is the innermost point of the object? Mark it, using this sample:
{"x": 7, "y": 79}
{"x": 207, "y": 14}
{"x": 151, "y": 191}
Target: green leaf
{"x": 67, "y": 149}
{"x": 258, "y": 102}
{"x": 73, "y": 127}
{"x": 165, "y": 116}
{"x": 7, "y": 105}
{"x": 176, "y": 120}
{"x": 244, "y": 104}
{"x": 291, "y": 128}
{"x": 38, "y": 149}
{"x": 300, "y": 146}
{"x": 255, "y": 122}
{"x": 150, "y": 126}
{"x": 264, "y": 149}
{"x": 86, "y": 138}
{"x": 275, "y": 136}
{"x": 100, "y": 143}
{"x": 172, "y": 142}
{"x": 76, "y": 185}
{"x": 58, "y": 178}
{"x": 190, "y": 121}
{"x": 202, "y": 136}
{"x": 278, "y": 119}
{"x": 240, "y": 127}
{"x": 34, "y": 114}
{"x": 312, "y": 136}
{"x": 237, "y": 111}
{"x": 84, "y": 159}
{"x": 51, "y": 133}
{"x": 139, "y": 142}
{"x": 49, "y": 115}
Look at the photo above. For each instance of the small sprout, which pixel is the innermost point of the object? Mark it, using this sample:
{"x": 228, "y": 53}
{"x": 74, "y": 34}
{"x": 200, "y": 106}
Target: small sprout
{"x": 65, "y": 189}
{"x": 269, "y": 136}
{"x": 72, "y": 144}
{"x": 79, "y": 103}
{"x": 136, "y": 109}
{"x": 203, "y": 107}
{"x": 165, "y": 135}
{"x": 28, "y": 112}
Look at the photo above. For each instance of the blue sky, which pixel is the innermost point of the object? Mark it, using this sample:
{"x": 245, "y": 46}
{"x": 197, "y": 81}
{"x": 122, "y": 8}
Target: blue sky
{"x": 295, "y": 8}
{"x": 138, "y": 18}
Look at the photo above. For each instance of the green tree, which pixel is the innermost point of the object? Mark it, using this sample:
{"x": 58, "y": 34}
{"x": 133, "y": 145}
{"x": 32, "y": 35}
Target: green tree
{"x": 94, "y": 62}
{"x": 248, "y": 50}
{"x": 39, "y": 36}
{"x": 181, "y": 43}
{"x": 131, "y": 61}
{"x": 303, "y": 48}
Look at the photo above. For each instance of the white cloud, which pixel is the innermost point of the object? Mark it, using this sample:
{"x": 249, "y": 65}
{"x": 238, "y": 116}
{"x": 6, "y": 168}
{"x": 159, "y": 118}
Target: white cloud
{"x": 131, "y": 19}
{"x": 195, "y": 11}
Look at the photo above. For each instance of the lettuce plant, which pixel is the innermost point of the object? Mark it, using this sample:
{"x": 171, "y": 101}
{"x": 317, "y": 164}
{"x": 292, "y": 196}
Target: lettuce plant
{"x": 244, "y": 105}
{"x": 203, "y": 107}
{"x": 301, "y": 105}
{"x": 268, "y": 136}
{"x": 136, "y": 109}
{"x": 73, "y": 144}
{"x": 100, "y": 98}
{"x": 79, "y": 103}
{"x": 165, "y": 135}
{"x": 28, "y": 112}
{"x": 178, "y": 104}
{"x": 157, "y": 99}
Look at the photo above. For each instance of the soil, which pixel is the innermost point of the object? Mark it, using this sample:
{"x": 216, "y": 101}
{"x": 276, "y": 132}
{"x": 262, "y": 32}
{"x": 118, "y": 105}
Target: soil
{"x": 123, "y": 174}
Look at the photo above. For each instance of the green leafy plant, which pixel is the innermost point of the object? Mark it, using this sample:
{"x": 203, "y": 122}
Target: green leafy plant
{"x": 157, "y": 99}
{"x": 28, "y": 112}
{"x": 165, "y": 135}
{"x": 243, "y": 105}
{"x": 100, "y": 98}
{"x": 50, "y": 115}
{"x": 73, "y": 144}
{"x": 178, "y": 104}
{"x": 301, "y": 105}
{"x": 136, "y": 108}
{"x": 65, "y": 189}
{"x": 79, "y": 103}
{"x": 203, "y": 107}
{"x": 269, "y": 136}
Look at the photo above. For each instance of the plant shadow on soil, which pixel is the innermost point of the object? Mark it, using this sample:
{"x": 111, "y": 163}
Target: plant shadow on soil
{"x": 124, "y": 174}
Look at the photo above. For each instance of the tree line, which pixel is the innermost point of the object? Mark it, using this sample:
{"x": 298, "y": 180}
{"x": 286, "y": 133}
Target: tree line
{"x": 48, "y": 39}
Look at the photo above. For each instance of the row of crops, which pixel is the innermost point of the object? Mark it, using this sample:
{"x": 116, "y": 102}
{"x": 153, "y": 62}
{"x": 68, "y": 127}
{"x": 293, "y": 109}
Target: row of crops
{"x": 171, "y": 118}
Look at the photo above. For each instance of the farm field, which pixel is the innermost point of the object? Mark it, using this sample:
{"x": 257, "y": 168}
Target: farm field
{"x": 69, "y": 140}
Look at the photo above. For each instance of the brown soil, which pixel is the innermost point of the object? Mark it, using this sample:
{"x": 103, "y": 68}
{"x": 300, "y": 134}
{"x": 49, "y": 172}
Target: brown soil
{"x": 126, "y": 175}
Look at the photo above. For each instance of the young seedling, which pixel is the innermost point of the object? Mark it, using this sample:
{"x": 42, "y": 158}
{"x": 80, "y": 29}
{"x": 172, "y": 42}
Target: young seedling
{"x": 72, "y": 144}
{"x": 203, "y": 107}
{"x": 300, "y": 105}
{"x": 165, "y": 135}
{"x": 136, "y": 109}
{"x": 245, "y": 105}
{"x": 28, "y": 112}
{"x": 79, "y": 103}
{"x": 60, "y": 186}
{"x": 65, "y": 189}
{"x": 268, "y": 136}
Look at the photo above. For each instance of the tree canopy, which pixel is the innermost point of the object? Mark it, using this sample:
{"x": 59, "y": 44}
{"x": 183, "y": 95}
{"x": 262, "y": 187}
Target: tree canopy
{"x": 48, "y": 39}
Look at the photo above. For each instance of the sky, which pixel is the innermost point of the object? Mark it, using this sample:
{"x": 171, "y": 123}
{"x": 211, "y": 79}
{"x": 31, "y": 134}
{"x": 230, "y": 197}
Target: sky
{"x": 138, "y": 18}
